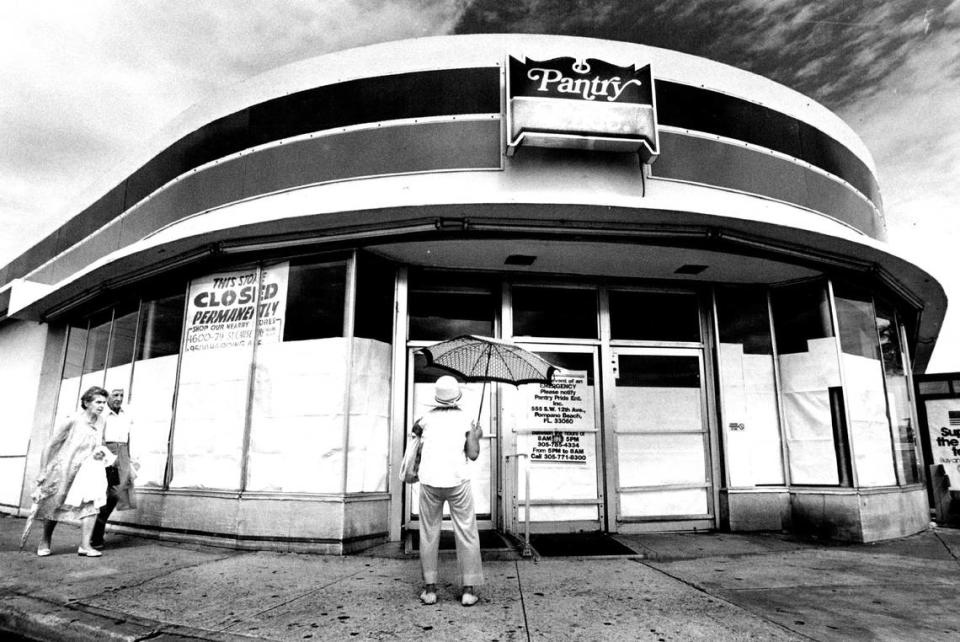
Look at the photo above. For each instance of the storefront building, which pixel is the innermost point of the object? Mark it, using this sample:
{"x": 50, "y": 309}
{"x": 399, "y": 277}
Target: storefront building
{"x": 702, "y": 251}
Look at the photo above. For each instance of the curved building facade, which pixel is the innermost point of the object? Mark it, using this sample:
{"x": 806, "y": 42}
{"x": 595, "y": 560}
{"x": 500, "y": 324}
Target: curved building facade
{"x": 700, "y": 250}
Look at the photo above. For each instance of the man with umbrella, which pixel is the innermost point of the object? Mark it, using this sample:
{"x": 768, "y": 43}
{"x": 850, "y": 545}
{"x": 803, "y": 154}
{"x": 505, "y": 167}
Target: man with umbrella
{"x": 449, "y": 438}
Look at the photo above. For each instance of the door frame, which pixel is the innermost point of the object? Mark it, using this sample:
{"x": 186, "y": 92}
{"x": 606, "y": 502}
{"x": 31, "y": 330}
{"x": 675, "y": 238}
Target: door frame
{"x": 491, "y": 404}
{"x": 510, "y": 479}
{"x": 709, "y": 520}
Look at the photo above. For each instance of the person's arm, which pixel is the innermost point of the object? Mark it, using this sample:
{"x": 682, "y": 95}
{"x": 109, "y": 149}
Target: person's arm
{"x": 472, "y": 446}
{"x": 59, "y": 436}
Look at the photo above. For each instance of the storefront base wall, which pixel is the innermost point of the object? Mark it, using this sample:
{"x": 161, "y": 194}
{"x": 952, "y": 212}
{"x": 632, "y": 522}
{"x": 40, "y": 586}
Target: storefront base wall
{"x": 329, "y": 525}
{"x": 850, "y": 516}
{"x": 366, "y": 521}
{"x": 897, "y": 513}
{"x": 745, "y": 511}
{"x": 859, "y": 516}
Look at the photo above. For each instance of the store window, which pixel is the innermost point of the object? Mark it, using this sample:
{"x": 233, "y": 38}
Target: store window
{"x": 554, "y": 312}
{"x": 376, "y": 281}
{"x": 934, "y": 387}
{"x": 150, "y": 399}
{"x": 120, "y": 351}
{"x": 748, "y": 396}
{"x": 899, "y": 401}
{"x": 864, "y": 392}
{"x": 368, "y": 440}
{"x": 297, "y": 417}
{"x": 69, "y": 396}
{"x": 654, "y": 316}
{"x": 133, "y": 346}
{"x": 813, "y": 404}
{"x": 214, "y": 378}
{"x": 95, "y": 355}
{"x": 446, "y": 305}
{"x": 314, "y": 300}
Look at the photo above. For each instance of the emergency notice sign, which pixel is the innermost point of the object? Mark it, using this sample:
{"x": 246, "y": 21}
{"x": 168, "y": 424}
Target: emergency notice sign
{"x": 558, "y": 417}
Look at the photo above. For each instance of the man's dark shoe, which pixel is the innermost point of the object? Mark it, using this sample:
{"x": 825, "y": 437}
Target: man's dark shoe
{"x": 97, "y": 545}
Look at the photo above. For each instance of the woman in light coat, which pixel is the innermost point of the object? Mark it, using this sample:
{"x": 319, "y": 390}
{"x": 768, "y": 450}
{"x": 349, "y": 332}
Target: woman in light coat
{"x": 75, "y": 442}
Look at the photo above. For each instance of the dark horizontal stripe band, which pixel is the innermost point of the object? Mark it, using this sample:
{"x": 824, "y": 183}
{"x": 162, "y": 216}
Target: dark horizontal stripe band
{"x": 400, "y": 149}
{"x": 425, "y": 94}
{"x": 711, "y": 112}
{"x": 717, "y": 164}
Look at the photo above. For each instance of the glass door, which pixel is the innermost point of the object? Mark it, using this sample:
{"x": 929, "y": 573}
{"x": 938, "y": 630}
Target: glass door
{"x": 552, "y": 449}
{"x": 483, "y": 471}
{"x": 661, "y": 438}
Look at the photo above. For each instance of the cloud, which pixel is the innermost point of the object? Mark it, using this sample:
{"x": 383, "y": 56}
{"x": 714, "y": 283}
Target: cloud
{"x": 834, "y": 51}
{"x": 909, "y": 123}
{"x": 85, "y": 82}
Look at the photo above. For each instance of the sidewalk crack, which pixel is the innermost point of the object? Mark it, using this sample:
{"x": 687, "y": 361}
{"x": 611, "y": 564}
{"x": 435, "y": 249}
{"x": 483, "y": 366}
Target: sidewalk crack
{"x": 281, "y": 604}
{"x": 721, "y": 598}
{"x": 163, "y": 573}
{"x": 523, "y": 604}
{"x": 948, "y": 549}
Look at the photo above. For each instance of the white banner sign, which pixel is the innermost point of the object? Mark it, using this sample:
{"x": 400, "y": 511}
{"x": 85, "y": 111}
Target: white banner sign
{"x": 943, "y": 424}
{"x": 223, "y": 309}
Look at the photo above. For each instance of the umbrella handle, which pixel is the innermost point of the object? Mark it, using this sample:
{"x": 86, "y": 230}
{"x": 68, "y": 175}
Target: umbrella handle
{"x": 482, "y": 395}
{"x": 484, "y": 389}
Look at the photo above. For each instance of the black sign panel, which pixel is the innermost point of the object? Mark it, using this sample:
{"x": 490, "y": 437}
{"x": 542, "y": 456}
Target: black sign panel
{"x": 573, "y": 79}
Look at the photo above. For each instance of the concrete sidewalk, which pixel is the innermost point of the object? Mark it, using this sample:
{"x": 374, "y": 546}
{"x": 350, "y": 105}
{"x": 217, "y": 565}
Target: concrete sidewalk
{"x": 678, "y": 587}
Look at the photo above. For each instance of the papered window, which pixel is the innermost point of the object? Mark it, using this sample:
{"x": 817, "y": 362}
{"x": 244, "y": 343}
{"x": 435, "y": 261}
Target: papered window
{"x": 154, "y": 382}
{"x": 864, "y": 387}
{"x": 297, "y": 413}
{"x": 748, "y": 396}
{"x": 133, "y": 346}
{"x": 810, "y": 385}
{"x": 899, "y": 397}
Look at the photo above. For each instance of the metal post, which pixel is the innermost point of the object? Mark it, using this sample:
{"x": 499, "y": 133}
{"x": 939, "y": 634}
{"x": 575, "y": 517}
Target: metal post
{"x": 527, "y": 549}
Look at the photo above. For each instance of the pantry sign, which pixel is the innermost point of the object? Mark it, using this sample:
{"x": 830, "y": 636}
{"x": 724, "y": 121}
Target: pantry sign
{"x": 581, "y": 103}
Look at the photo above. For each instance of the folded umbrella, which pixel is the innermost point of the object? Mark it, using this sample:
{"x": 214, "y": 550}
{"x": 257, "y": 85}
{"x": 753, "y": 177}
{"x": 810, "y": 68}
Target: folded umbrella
{"x": 31, "y": 517}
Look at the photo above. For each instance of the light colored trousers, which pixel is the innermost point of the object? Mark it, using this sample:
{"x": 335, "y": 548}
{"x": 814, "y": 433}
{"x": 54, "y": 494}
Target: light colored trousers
{"x": 460, "y": 500}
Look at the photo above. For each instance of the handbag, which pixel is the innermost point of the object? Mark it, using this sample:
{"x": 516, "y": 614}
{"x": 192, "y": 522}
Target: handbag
{"x": 410, "y": 466}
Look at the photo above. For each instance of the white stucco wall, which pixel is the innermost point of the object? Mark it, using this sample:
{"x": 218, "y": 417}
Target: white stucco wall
{"x": 21, "y": 357}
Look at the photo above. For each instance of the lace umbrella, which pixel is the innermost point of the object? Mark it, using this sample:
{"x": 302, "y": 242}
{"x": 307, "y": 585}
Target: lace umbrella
{"x": 475, "y": 358}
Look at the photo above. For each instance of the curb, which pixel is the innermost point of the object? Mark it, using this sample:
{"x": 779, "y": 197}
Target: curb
{"x": 45, "y": 621}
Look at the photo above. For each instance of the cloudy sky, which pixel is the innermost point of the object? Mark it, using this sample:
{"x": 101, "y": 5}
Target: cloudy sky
{"x": 84, "y": 81}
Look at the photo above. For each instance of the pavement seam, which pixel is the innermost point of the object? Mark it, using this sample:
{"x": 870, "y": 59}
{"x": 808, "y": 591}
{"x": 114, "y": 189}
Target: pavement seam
{"x": 291, "y": 600}
{"x": 720, "y": 598}
{"x": 523, "y": 604}
{"x": 160, "y": 627}
{"x": 163, "y": 573}
{"x": 948, "y": 549}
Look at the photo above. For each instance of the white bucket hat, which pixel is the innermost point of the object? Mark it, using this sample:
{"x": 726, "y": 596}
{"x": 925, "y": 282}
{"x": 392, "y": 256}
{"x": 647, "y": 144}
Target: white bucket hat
{"x": 447, "y": 391}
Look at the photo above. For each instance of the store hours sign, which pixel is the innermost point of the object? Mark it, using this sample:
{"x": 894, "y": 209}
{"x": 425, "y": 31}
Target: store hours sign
{"x": 559, "y": 415}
